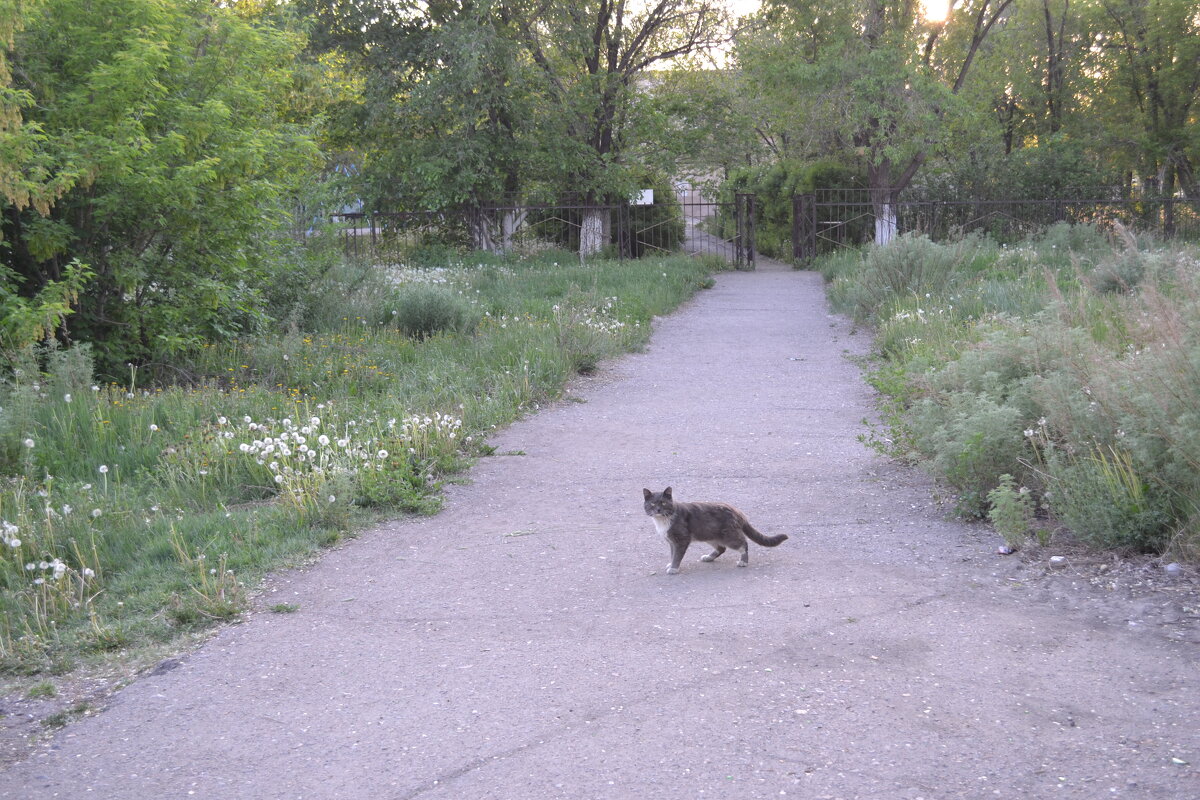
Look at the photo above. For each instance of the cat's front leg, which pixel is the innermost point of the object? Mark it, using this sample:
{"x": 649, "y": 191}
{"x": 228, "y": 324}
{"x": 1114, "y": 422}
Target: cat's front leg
{"x": 678, "y": 548}
{"x": 717, "y": 550}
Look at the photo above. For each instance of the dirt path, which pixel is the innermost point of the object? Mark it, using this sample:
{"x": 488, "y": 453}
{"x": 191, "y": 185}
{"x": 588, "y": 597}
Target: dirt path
{"x": 527, "y": 643}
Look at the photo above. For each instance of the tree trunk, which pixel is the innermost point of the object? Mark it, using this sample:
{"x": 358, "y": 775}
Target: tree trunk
{"x": 1168, "y": 217}
{"x": 884, "y": 197}
{"x": 591, "y": 231}
{"x": 512, "y": 221}
{"x": 885, "y": 222}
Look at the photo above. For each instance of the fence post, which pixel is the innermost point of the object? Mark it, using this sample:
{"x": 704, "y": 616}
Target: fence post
{"x": 804, "y": 227}
{"x": 744, "y": 237}
{"x": 624, "y": 231}
{"x": 751, "y": 241}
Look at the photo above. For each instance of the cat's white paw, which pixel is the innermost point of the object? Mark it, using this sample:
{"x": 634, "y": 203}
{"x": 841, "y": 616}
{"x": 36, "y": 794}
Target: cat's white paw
{"x": 672, "y": 570}
{"x": 709, "y": 557}
{"x": 743, "y": 563}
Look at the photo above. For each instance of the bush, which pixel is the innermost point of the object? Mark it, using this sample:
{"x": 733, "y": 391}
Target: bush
{"x": 909, "y": 266}
{"x": 1104, "y": 501}
{"x": 971, "y": 440}
{"x": 424, "y": 311}
{"x": 1011, "y": 511}
{"x": 1071, "y": 367}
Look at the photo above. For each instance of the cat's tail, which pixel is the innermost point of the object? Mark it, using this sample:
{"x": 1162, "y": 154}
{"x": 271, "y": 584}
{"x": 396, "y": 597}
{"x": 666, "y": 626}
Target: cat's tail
{"x": 759, "y": 538}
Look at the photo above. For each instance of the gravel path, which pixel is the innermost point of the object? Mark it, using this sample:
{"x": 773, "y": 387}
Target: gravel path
{"x": 526, "y": 643}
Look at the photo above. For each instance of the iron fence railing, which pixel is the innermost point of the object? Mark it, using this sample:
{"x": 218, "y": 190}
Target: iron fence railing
{"x": 829, "y": 220}
{"x": 613, "y": 230}
{"x": 820, "y": 222}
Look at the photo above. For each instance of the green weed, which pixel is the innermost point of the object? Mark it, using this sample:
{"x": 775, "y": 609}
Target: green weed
{"x": 1070, "y": 362}
{"x": 146, "y": 503}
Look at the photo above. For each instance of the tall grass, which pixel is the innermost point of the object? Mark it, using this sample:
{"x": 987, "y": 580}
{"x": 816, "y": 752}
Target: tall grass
{"x": 139, "y": 508}
{"x": 1068, "y": 365}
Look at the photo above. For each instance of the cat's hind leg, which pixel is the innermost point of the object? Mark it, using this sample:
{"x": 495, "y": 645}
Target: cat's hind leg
{"x": 744, "y": 561}
{"x": 717, "y": 550}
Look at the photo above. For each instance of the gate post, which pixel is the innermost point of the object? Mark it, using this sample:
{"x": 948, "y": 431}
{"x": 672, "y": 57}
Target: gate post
{"x": 625, "y": 232}
{"x": 744, "y": 238}
{"x": 804, "y": 228}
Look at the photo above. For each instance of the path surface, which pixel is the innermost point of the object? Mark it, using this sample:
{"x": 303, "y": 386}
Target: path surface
{"x": 526, "y": 643}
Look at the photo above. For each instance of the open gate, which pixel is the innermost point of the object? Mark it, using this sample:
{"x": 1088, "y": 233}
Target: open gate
{"x": 707, "y": 228}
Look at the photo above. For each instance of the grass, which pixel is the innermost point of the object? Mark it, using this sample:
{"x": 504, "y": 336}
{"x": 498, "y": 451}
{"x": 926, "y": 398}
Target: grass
{"x": 1059, "y": 377}
{"x": 146, "y": 507}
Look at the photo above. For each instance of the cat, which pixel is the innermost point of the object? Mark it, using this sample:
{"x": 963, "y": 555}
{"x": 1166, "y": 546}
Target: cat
{"x": 717, "y": 524}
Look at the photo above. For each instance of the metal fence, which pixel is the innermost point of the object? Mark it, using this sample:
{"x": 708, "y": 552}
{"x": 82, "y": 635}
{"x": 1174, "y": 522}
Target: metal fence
{"x": 832, "y": 219}
{"x": 820, "y": 223}
{"x": 614, "y": 230}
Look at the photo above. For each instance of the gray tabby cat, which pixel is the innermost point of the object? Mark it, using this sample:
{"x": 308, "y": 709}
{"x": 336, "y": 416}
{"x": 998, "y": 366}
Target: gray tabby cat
{"x": 718, "y": 524}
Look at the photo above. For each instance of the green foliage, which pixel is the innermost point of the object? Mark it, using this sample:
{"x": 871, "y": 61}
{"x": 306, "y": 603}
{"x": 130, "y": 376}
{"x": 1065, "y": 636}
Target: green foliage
{"x": 910, "y": 267}
{"x": 401, "y": 482}
{"x": 136, "y": 510}
{"x": 1103, "y": 499}
{"x": 421, "y": 311}
{"x": 28, "y": 320}
{"x": 971, "y": 439}
{"x": 774, "y": 185}
{"x": 1011, "y": 511}
{"x": 166, "y": 124}
{"x": 1069, "y": 364}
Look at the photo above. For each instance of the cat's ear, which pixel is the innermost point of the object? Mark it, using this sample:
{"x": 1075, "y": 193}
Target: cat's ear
{"x": 647, "y": 493}
{"x": 667, "y": 493}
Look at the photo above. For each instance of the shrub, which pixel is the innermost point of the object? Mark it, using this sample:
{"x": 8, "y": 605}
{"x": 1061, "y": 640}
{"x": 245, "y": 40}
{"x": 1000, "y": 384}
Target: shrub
{"x": 972, "y": 440}
{"x": 909, "y": 266}
{"x": 1011, "y": 511}
{"x": 1076, "y": 373}
{"x": 423, "y": 311}
{"x": 1104, "y": 501}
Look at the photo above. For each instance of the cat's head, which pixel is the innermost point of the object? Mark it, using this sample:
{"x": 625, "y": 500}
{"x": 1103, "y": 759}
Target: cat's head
{"x": 659, "y": 504}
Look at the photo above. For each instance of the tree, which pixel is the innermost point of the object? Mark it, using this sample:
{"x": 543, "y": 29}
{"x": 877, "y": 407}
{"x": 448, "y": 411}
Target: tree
{"x": 877, "y": 73}
{"x": 162, "y": 159}
{"x": 592, "y": 56}
{"x": 1154, "y": 49}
